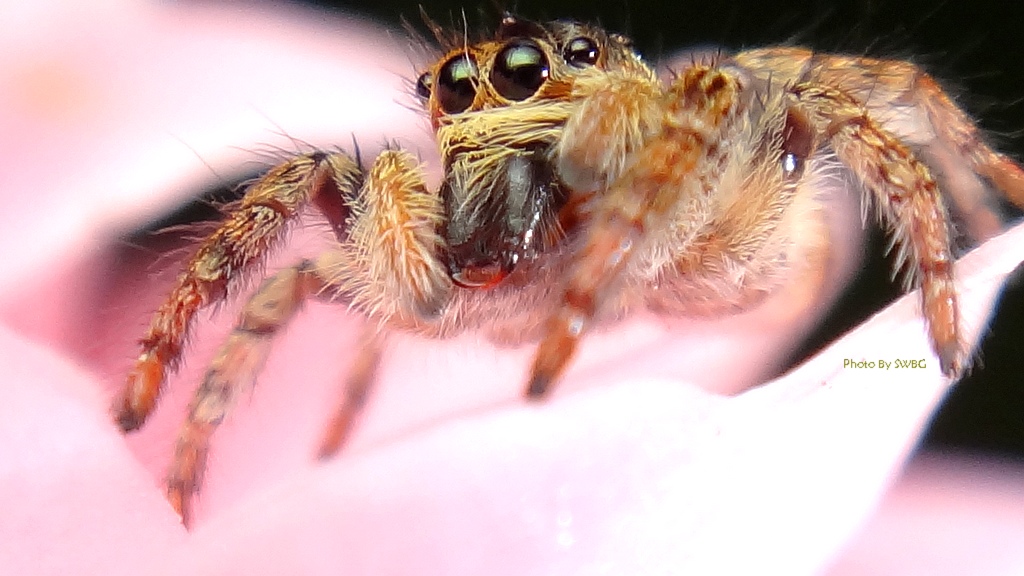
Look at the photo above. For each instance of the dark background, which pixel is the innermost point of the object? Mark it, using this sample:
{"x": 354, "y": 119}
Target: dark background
{"x": 975, "y": 49}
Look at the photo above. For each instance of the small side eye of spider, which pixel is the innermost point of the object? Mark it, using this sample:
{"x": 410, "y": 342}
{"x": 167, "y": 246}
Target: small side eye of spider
{"x": 424, "y": 84}
{"x": 581, "y": 52}
{"x": 578, "y": 189}
{"x": 797, "y": 144}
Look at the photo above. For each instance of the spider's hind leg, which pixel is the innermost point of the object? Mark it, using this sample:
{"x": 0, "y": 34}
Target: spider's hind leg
{"x": 956, "y": 130}
{"x": 906, "y": 197}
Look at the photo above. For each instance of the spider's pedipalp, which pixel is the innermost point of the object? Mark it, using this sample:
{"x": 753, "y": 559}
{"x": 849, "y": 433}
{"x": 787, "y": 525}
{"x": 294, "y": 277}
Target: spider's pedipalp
{"x": 390, "y": 265}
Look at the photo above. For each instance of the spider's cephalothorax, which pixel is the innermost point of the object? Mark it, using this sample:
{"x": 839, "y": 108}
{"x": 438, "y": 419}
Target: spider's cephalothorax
{"x": 578, "y": 186}
{"x": 498, "y": 108}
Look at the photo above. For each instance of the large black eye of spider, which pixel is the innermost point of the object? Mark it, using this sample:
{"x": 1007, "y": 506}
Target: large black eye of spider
{"x": 423, "y": 85}
{"x": 519, "y": 70}
{"x": 581, "y": 52}
{"x": 456, "y": 84}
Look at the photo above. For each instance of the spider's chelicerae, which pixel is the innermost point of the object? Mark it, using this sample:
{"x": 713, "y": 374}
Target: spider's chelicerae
{"x": 578, "y": 186}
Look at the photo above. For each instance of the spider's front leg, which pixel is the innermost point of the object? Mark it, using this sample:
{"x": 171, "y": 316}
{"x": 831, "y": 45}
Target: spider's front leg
{"x": 666, "y": 152}
{"x": 386, "y": 265}
{"x": 237, "y": 246}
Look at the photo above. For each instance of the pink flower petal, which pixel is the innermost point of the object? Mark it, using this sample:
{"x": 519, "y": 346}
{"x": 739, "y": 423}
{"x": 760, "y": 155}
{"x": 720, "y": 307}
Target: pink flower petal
{"x": 638, "y": 464}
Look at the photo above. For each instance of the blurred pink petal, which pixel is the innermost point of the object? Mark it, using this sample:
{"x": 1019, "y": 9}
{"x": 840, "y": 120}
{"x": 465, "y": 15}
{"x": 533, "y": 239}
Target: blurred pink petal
{"x": 74, "y": 499}
{"x": 946, "y": 516}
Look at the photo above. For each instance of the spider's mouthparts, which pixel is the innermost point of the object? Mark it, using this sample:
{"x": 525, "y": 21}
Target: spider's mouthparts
{"x": 485, "y": 276}
{"x": 491, "y": 229}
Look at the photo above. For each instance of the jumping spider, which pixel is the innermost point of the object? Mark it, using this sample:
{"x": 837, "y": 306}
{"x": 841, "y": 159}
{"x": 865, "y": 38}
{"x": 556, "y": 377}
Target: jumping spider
{"x": 577, "y": 186}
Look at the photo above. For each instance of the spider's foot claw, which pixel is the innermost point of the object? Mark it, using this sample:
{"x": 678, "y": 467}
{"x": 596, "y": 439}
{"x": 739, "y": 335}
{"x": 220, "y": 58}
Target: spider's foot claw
{"x": 180, "y": 500}
{"x": 138, "y": 399}
{"x": 553, "y": 355}
{"x": 538, "y": 387}
{"x": 127, "y": 419}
